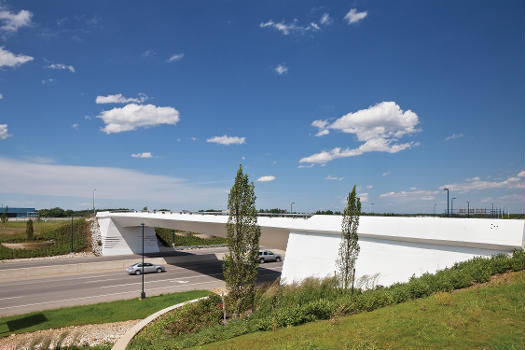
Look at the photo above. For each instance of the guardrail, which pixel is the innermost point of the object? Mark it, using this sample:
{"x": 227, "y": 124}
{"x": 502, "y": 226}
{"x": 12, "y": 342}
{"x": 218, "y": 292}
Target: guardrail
{"x": 215, "y": 213}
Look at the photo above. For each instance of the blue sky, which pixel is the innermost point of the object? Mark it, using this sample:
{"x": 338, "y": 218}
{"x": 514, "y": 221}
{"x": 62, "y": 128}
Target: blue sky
{"x": 158, "y": 103}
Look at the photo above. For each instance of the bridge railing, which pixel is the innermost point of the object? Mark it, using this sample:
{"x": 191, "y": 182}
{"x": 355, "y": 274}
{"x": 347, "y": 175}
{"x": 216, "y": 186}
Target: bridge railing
{"x": 215, "y": 213}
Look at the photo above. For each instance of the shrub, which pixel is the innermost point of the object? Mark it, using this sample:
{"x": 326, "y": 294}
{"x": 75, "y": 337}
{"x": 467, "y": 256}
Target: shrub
{"x": 518, "y": 260}
{"x": 29, "y": 230}
{"x": 418, "y": 287}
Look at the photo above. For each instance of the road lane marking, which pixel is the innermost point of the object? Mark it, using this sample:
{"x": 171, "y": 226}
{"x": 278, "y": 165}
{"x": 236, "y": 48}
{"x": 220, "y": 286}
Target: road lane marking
{"x": 12, "y": 298}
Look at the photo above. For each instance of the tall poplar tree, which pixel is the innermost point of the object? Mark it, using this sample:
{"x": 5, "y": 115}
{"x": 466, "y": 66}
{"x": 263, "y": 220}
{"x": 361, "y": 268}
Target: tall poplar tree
{"x": 349, "y": 248}
{"x": 240, "y": 264}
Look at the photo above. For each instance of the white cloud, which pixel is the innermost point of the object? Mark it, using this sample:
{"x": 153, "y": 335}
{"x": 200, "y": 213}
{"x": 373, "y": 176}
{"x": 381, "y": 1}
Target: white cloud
{"x": 379, "y": 127}
{"x": 119, "y": 98}
{"x": 9, "y": 59}
{"x": 118, "y": 184}
{"x": 292, "y": 27}
{"x": 142, "y": 155}
{"x": 453, "y": 136}
{"x": 326, "y": 19}
{"x": 11, "y": 21}
{"x": 386, "y": 173}
{"x": 148, "y": 53}
{"x": 300, "y": 166}
{"x": 61, "y": 66}
{"x": 227, "y": 140}
{"x": 1, "y": 96}
{"x": 133, "y": 116}
{"x": 193, "y": 138}
{"x": 281, "y": 69}
{"x": 476, "y": 184}
{"x": 3, "y": 132}
{"x": 369, "y": 187}
{"x": 267, "y": 178}
{"x": 175, "y": 58}
{"x": 411, "y": 195}
{"x": 363, "y": 197}
{"x": 353, "y": 16}
{"x": 333, "y": 178}
{"x": 75, "y": 126}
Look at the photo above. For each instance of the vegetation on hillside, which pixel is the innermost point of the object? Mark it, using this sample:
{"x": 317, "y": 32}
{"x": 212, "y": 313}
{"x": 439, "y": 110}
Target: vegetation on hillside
{"x": 280, "y": 306}
{"x": 59, "y": 236}
{"x": 166, "y": 238}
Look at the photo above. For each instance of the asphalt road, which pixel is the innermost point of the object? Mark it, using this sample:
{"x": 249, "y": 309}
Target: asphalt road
{"x": 17, "y": 297}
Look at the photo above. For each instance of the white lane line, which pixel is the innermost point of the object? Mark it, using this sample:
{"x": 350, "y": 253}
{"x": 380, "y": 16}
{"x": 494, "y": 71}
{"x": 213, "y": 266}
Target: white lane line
{"x": 165, "y": 280}
{"x": 91, "y": 297}
{"x": 51, "y": 280}
{"x": 12, "y": 298}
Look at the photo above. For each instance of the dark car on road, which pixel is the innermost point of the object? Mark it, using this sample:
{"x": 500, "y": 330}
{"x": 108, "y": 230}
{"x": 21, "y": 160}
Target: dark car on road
{"x": 266, "y": 256}
{"x": 136, "y": 269}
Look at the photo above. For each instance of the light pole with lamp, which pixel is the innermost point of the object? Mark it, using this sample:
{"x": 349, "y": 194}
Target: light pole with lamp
{"x": 94, "y": 201}
{"x": 452, "y": 205}
{"x": 468, "y": 209}
{"x": 291, "y": 207}
{"x": 142, "y": 294}
{"x": 446, "y": 189}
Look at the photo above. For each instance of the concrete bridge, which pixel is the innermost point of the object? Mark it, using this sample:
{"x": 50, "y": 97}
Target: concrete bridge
{"x": 393, "y": 247}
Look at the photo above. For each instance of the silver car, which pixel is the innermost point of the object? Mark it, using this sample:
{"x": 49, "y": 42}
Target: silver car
{"x": 266, "y": 255}
{"x": 136, "y": 269}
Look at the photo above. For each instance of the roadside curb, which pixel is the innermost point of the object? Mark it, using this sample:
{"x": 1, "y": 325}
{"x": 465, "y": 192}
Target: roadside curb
{"x": 124, "y": 341}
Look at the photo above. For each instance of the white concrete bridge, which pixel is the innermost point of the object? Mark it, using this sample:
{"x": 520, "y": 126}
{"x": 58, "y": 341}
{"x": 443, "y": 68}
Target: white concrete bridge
{"x": 394, "y": 247}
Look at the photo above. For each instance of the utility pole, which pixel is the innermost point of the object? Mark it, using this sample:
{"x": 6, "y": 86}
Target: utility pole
{"x": 448, "y": 192}
{"x": 468, "y": 209}
{"x": 72, "y": 235}
{"x": 94, "y": 201}
{"x": 143, "y": 294}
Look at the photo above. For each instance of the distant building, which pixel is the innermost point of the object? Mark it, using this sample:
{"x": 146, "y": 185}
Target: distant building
{"x": 19, "y": 212}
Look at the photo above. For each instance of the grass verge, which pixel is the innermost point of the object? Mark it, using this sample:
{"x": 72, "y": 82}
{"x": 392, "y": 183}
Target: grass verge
{"x": 114, "y": 311}
{"x": 489, "y": 317}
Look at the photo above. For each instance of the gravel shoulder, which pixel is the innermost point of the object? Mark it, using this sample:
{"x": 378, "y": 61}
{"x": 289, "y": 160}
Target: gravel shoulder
{"x": 90, "y": 335}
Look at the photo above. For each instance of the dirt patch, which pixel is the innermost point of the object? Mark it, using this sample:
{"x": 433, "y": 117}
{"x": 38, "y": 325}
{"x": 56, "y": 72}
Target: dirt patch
{"x": 27, "y": 245}
{"x": 503, "y": 278}
{"x": 76, "y": 335}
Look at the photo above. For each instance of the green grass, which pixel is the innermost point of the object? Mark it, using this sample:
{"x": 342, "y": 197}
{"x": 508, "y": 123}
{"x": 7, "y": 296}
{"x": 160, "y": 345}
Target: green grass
{"x": 60, "y": 234}
{"x": 489, "y": 317}
{"x": 18, "y": 228}
{"x": 166, "y": 236}
{"x": 114, "y": 311}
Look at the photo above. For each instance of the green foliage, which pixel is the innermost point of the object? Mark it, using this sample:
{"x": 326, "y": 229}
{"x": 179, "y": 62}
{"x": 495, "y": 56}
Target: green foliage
{"x": 240, "y": 264}
{"x": 349, "y": 248}
{"x": 60, "y": 236}
{"x": 280, "y": 306}
{"x": 114, "y": 311}
{"x": 166, "y": 237}
{"x": 4, "y": 217}
{"x": 29, "y": 230}
{"x": 273, "y": 211}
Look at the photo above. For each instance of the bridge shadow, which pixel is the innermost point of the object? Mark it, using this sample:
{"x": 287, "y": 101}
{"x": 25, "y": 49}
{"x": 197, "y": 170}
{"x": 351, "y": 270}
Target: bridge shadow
{"x": 18, "y": 323}
{"x": 210, "y": 265}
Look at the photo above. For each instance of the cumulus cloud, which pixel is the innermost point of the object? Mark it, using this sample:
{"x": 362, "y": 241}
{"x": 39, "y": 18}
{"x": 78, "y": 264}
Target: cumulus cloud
{"x": 363, "y": 197}
{"x": 353, "y": 16}
{"x": 61, "y": 66}
{"x": 281, "y": 69}
{"x": 11, "y": 22}
{"x": 325, "y": 19}
{"x": 292, "y": 27}
{"x": 227, "y": 140}
{"x": 175, "y": 58}
{"x": 118, "y": 184}
{"x": 379, "y": 127}
{"x": 476, "y": 184}
{"x": 333, "y": 178}
{"x": 142, "y": 155}
{"x": 4, "y": 134}
{"x": 9, "y": 59}
{"x": 119, "y": 98}
{"x": 411, "y": 195}
{"x": 133, "y": 116}
{"x": 266, "y": 178}
{"x": 453, "y": 136}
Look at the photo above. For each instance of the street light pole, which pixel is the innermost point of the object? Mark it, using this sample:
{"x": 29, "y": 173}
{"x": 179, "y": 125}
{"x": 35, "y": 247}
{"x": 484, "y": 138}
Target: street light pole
{"x": 72, "y": 235}
{"x": 291, "y": 207}
{"x": 468, "y": 209}
{"x": 446, "y": 189}
{"x": 94, "y": 201}
{"x": 143, "y": 294}
{"x": 452, "y": 205}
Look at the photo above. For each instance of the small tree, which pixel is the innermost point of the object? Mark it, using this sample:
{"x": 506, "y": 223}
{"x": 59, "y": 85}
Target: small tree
{"x": 240, "y": 264}
{"x": 349, "y": 248}
{"x": 4, "y": 215}
{"x": 29, "y": 230}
